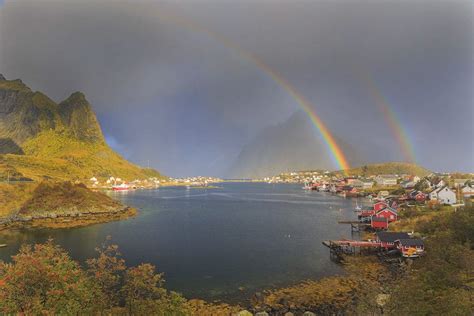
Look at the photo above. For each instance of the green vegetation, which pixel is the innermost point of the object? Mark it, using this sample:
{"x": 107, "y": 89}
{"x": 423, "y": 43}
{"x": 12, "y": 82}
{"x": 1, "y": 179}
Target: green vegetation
{"x": 61, "y": 141}
{"x": 388, "y": 168}
{"x": 44, "y": 280}
{"x": 15, "y": 85}
{"x": 441, "y": 282}
{"x": 13, "y": 197}
{"x": 57, "y": 155}
{"x": 57, "y": 204}
{"x": 62, "y": 198}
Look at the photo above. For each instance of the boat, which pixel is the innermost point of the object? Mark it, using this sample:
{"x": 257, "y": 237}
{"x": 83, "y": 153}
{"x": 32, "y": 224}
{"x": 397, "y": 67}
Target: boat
{"x": 307, "y": 186}
{"x": 358, "y": 208}
{"x": 121, "y": 187}
{"x": 3, "y": 245}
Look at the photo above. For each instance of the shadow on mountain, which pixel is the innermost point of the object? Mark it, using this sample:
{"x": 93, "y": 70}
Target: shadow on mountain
{"x": 8, "y": 146}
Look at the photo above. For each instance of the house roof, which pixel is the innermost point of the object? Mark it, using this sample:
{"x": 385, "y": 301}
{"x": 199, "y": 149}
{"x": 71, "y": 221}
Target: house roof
{"x": 436, "y": 190}
{"x": 391, "y": 236}
{"x": 391, "y": 209}
{"x": 411, "y": 242}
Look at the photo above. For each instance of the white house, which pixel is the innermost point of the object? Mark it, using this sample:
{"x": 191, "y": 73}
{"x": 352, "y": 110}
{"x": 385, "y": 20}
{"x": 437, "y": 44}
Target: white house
{"x": 467, "y": 191}
{"x": 444, "y": 195}
{"x": 386, "y": 180}
{"x": 439, "y": 184}
{"x": 459, "y": 183}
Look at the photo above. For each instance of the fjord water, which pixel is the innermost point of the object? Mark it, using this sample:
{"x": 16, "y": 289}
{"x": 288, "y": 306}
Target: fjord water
{"x": 221, "y": 243}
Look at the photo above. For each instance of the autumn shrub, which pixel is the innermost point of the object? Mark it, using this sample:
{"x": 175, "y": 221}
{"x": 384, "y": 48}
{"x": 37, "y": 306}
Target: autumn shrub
{"x": 43, "y": 279}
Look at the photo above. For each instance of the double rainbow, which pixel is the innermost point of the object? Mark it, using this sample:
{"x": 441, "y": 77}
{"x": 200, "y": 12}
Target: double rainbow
{"x": 336, "y": 153}
{"x": 394, "y": 123}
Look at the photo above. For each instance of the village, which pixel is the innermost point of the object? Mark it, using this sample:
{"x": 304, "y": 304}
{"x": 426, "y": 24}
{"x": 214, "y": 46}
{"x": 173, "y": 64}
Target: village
{"x": 119, "y": 184}
{"x": 389, "y": 196}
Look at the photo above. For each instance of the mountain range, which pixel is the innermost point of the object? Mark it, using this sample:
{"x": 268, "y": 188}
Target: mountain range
{"x": 40, "y": 138}
{"x": 289, "y": 146}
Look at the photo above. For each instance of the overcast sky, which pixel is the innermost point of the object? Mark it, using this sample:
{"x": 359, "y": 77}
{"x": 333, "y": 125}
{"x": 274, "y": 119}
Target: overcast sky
{"x": 168, "y": 92}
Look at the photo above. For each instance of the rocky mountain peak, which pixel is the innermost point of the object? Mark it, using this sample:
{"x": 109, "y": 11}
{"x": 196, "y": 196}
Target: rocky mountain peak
{"x": 77, "y": 114}
{"x": 2, "y": 77}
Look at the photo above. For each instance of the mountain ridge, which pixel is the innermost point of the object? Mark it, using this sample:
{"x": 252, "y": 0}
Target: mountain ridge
{"x": 287, "y": 146}
{"x": 44, "y": 139}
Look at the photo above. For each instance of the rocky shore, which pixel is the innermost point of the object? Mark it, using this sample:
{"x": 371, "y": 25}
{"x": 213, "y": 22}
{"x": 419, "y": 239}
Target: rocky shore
{"x": 67, "y": 220}
{"x": 59, "y": 205}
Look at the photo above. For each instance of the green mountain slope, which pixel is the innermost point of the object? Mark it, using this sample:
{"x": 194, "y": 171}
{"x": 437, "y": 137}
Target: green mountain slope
{"x": 389, "y": 168}
{"x": 42, "y": 139}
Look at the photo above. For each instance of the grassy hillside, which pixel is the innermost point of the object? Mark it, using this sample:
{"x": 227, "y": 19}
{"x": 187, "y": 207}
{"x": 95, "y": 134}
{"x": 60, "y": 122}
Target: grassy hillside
{"x": 389, "y": 168}
{"x": 13, "y": 197}
{"x": 56, "y": 155}
{"x": 41, "y": 139}
{"x": 65, "y": 197}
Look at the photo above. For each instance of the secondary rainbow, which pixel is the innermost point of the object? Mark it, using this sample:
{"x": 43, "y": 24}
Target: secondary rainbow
{"x": 392, "y": 120}
{"x": 336, "y": 153}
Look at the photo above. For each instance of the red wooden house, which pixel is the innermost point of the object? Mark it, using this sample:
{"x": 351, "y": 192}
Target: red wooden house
{"x": 420, "y": 197}
{"x": 379, "y": 223}
{"x": 410, "y": 248}
{"x": 389, "y": 213}
{"x": 387, "y": 239}
{"x": 380, "y": 205}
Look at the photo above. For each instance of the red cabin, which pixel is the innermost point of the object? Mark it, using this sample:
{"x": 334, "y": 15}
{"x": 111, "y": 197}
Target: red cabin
{"x": 387, "y": 239}
{"x": 380, "y": 205}
{"x": 420, "y": 197}
{"x": 389, "y": 213}
{"x": 379, "y": 223}
{"x": 410, "y": 248}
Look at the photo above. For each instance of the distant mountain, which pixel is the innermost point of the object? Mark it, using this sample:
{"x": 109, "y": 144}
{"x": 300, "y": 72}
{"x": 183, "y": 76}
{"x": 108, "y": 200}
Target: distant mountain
{"x": 42, "y": 139}
{"x": 290, "y": 146}
{"x": 389, "y": 168}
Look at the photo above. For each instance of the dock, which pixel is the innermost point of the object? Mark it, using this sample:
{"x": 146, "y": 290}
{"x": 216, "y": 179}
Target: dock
{"x": 350, "y": 247}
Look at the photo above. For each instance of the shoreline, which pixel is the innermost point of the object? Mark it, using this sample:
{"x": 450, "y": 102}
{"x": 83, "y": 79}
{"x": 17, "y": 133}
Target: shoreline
{"x": 69, "y": 220}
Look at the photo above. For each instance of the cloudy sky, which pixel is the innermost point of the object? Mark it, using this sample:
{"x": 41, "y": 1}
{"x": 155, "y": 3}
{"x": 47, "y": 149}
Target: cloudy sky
{"x": 172, "y": 82}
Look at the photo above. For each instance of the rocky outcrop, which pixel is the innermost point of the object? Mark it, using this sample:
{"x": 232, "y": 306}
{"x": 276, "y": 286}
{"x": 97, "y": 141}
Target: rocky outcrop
{"x": 23, "y": 113}
{"x": 77, "y": 115}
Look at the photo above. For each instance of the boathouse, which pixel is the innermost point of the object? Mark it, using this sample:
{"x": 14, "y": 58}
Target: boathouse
{"x": 411, "y": 247}
{"x": 389, "y": 213}
{"x": 379, "y": 223}
{"x": 380, "y": 205}
{"x": 387, "y": 239}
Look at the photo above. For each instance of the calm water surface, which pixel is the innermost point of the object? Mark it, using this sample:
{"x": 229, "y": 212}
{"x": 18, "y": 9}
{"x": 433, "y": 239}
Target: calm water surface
{"x": 211, "y": 242}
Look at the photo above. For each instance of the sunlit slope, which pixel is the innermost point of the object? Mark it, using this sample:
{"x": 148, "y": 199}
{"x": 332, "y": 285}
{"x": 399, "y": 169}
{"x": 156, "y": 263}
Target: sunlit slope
{"x": 389, "y": 168}
{"x": 60, "y": 141}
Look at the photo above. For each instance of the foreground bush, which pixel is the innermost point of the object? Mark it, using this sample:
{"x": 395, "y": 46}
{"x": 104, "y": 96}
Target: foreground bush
{"x": 43, "y": 279}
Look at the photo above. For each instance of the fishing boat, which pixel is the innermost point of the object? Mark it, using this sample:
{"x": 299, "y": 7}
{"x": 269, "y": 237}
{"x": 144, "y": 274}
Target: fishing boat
{"x": 358, "y": 208}
{"x": 121, "y": 187}
{"x": 307, "y": 186}
{"x": 3, "y": 245}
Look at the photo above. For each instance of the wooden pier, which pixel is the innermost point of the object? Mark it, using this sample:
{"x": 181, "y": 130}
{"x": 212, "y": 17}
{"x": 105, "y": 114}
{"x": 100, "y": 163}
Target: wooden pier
{"x": 350, "y": 247}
